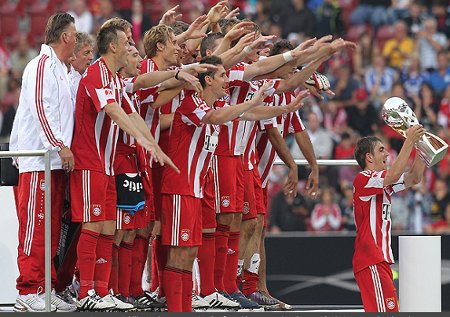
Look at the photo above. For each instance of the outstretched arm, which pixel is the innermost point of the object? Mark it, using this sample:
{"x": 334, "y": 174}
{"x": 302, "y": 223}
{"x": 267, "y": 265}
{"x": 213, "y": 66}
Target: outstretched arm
{"x": 278, "y": 143}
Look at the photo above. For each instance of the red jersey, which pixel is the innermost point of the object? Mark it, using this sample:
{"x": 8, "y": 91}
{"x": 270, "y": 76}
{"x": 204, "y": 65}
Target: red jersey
{"x": 286, "y": 124}
{"x": 250, "y": 127}
{"x": 95, "y": 134}
{"x": 147, "y": 97}
{"x": 372, "y": 210}
{"x": 232, "y": 132}
{"x": 444, "y": 113}
{"x": 326, "y": 218}
{"x": 168, "y": 108}
{"x": 191, "y": 146}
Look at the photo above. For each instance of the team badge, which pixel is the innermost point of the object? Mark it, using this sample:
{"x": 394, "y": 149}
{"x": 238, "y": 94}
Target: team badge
{"x": 390, "y": 303}
{"x": 127, "y": 219}
{"x": 185, "y": 235}
{"x": 225, "y": 201}
{"x": 96, "y": 210}
{"x": 246, "y": 207}
{"x": 42, "y": 184}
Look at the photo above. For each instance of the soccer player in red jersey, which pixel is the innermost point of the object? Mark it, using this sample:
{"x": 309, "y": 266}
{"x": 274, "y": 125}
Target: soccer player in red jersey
{"x": 191, "y": 145}
{"x": 372, "y": 190}
{"x": 100, "y": 98}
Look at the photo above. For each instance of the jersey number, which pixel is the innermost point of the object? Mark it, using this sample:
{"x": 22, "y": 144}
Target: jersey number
{"x": 386, "y": 211}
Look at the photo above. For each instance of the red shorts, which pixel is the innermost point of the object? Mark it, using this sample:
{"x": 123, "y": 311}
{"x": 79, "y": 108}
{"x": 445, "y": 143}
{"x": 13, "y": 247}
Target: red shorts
{"x": 209, "y": 203}
{"x": 377, "y": 288}
{"x": 181, "y": 220}
{"x": 125, "y": 221}
{"x": 228, "y": 175}
{"x": 92, "y": 196}
{"x": 253, "y": 195}
{"x": 156, "y": 182}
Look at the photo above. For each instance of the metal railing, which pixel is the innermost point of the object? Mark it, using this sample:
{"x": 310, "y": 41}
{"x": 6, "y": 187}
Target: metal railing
{"x": 48, "y": 217}
{"x": 321, "y": 162}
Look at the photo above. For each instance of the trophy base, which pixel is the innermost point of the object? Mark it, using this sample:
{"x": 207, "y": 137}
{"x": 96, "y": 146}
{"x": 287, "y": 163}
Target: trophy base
{"x": 433, "y": 150}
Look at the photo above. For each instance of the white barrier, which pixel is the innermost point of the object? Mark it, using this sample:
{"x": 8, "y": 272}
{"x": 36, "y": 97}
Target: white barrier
{"x": 8, "y": 246}
{"x": 420, "y": 273}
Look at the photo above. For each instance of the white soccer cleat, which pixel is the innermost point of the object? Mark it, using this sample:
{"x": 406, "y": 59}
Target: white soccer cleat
{"x": 32, "y": 303}
{"x": 94, "y": 302}
{"x": 217, "y": 300}
{"x": 199, "y": 302}
{"x": 118, "y": 304}
{"x": 61, "y": 305}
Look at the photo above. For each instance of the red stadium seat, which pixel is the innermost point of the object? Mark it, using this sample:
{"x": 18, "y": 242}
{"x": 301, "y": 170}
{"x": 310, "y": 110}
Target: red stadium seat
{"x": 9, "y": 24}
{"x": 355, "y": 31}
{"x": 384, "y": 33}
{"x": 38, "y": 22}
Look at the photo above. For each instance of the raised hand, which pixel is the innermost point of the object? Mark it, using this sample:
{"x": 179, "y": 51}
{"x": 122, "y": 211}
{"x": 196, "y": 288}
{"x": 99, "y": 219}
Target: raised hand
{"x": 415, "y": 133}
{"x": 219, "y": 11}
{"x": 171, "y": 16}
{"x": 239, "y": 29}
{"x": 339, "y": 44}
{"x": 233, "y": 14}
{"x": 307, "y": 44}
{"x": 201, "y": 68}
{"x": 195, "y": 29}
{"x": 262, "y": 41}
{"x": 244, "y": 41}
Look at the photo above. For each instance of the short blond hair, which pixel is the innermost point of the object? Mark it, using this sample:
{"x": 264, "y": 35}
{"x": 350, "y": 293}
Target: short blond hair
{"x": 157, "y": 34}
{"x": 119, "y": 22}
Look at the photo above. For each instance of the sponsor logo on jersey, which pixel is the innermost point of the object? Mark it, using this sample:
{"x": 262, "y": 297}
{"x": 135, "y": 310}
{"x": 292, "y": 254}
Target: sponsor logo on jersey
{"x": 185, "y": 235}
{"x": 42, "y": 184}
{"x": 390, "y": 302}
{"x": 246, "y": 207}
{"x": 101, "y": 261}
{"x": 231, "y": 251}
{"x": 225, "y": 201}
{"x": 96, "y": 210}
{"x": 127, "y": 219}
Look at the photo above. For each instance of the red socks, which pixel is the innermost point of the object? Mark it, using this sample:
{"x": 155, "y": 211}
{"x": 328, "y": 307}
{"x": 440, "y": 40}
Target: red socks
{"x": 222, "y": 234}
{"x": 186, "y": 297}
{"x": 103, "y": 264}
{"x": 173, "y": 286}
{"x": 125, "y": 257}
{"x": 114, "y": 278}
{"x": 161, "y": 259}
{"x": 86, "y": 249}
{"x": 229, "y": 279}
{"x": 250, "y": 282}
{"x": 139, "y": 257}
{"x": 206, "y": 258}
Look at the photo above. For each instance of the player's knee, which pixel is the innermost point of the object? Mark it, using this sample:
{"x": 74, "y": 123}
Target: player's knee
{"x": 225, "y": 219}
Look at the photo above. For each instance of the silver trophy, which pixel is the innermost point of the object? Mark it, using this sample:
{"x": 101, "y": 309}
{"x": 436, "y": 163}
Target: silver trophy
{"x": 399, "y": 116}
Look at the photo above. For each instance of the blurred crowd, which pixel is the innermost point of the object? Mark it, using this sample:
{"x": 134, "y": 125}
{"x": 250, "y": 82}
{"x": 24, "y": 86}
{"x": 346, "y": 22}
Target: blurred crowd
{"x": 402, "y": 51}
